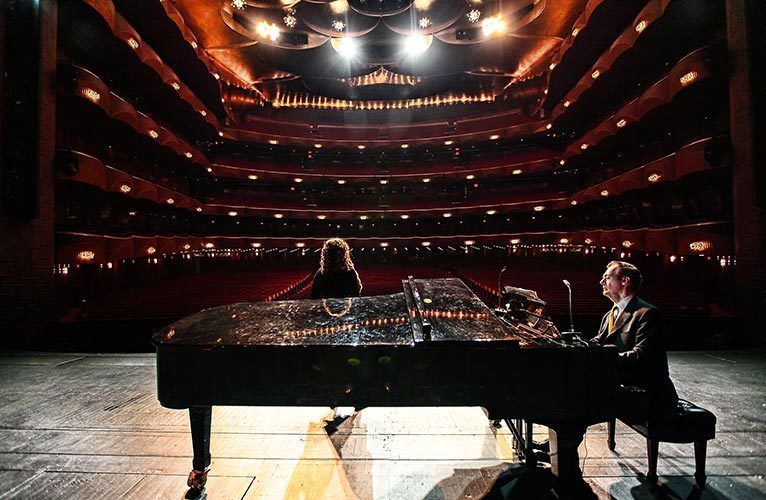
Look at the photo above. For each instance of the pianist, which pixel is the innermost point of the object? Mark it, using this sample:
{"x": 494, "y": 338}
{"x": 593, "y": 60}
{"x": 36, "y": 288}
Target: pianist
{"x": 336, "y": 276}
{"x": 636, "y": 328}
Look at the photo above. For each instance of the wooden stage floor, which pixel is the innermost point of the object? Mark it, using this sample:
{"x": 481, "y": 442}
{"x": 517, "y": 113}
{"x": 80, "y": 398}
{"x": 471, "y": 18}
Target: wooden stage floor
{"x": 90, "y": 426}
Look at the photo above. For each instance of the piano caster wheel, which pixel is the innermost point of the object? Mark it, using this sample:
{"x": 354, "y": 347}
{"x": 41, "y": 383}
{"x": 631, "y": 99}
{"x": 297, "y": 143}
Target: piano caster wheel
{"x": 197, "y": 479}
{"x": 496, "y": 423}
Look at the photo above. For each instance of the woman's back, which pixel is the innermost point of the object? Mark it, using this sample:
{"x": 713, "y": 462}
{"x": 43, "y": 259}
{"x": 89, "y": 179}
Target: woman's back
{"x": 335, "y": 285}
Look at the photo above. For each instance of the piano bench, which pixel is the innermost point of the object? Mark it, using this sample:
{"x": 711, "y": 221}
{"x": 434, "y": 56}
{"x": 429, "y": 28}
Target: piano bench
{"x": 689, "y": 424}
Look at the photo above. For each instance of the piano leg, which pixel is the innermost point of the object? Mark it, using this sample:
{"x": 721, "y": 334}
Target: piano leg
{"x": 564, "y": 438}
{"x": 199, "y": 417}
{"x": 529, "y": 451}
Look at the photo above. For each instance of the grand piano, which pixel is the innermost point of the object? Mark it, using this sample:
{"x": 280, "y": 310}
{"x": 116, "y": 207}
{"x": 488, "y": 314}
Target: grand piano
{"x": 433, "y": 344}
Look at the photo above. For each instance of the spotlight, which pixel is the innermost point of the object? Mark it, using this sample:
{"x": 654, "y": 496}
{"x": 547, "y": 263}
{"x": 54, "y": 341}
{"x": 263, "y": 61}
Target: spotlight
{"x": 416, "y": 44}
{"x": 346, "y": 46}
{"x": 493, "y": 25}
{"x": 267, "y": 30}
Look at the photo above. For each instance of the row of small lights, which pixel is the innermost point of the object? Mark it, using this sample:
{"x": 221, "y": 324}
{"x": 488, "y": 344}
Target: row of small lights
{"x": 86, "y": 256}
{"x": 94, "y": 96}
{"x": 134, "y": 44}
{"x": 362, "y": 147}
{"x": 684, "y": 80}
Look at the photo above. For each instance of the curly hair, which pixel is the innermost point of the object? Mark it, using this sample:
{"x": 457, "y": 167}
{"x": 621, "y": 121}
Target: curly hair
{"x": 335, "y": 257}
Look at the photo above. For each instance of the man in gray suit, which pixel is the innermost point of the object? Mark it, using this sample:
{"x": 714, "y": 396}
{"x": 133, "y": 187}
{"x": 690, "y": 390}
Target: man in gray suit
{"x": 636, "y": 328}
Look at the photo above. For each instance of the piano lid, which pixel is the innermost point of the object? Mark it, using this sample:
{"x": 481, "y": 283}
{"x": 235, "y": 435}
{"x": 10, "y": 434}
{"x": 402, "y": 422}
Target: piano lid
{"x": 452, "y": 310}
{"x": 377, "y": 320}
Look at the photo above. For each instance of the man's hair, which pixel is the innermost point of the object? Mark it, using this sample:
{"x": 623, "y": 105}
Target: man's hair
{"x": 335, "y": 257}
{"x": 630, "y": 271}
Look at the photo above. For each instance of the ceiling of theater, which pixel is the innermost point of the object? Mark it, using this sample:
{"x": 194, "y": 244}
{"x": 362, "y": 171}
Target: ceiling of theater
{"x": 381, "y": 50}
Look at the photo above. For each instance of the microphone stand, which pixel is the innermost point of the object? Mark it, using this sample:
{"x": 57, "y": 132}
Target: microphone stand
{"x": 499, "y": 288}
{"x": 571, "y": 333}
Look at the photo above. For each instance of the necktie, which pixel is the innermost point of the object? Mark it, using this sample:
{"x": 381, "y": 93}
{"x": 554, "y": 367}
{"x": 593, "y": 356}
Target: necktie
{"x": 612, "y": 317}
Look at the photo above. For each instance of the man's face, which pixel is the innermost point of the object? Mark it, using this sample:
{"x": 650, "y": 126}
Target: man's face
{"x": 612, "y": 284}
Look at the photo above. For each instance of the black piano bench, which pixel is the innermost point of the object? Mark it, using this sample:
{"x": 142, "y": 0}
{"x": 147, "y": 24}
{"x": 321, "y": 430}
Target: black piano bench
{"x": 690, "y": 424}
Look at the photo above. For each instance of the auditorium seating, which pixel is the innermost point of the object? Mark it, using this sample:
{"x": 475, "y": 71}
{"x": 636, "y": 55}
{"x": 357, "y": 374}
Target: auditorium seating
{"x": 176, "y": 298}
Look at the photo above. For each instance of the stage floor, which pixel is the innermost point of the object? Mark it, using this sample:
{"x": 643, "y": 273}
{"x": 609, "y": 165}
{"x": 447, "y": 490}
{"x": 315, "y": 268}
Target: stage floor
{"x": 90, "y": 426}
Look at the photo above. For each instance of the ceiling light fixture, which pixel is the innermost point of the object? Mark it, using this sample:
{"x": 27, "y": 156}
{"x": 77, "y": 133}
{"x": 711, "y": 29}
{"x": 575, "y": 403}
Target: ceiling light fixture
{"x": 273, "y": 142}
{"x": 426, "y": 180}
{"x": 361, "y": 146}
{"x": 424, "y": 22}
{"x": 341, "y": 181}
{"x": 278, "y": 216}
{"x": 473, "y": 15}
{"x": 252, "y": 177}
{"x": 384, "y": 181}
{"x": 516, "y": 172}
{"x": 641, "y": 26}
{"x": 238, "y": 4}
{"x": 417, "y": 44}
{"x": 491, "y": 212}
{"x": 318, "y": 146}
{"x": 621, "y": 123}
{"x": 321, "y": 217}
{"x": 338, "y": 25}
{"x": 290, "y": 20}
{"x": 494, "y": 137}
{"x": 267, "y": 30}
{"x": 405, "y": 146}
{"x": 446, "y": 215}
{"x": 339, "y": 6}
{"x": 470, "y": 177}
{"x": 405, "y": 216}
{"x": 493, "y": 25}
{"x": 133, "y": 43}
{"x": 449, "y": 143}
{"x": 298, "y": 180}
{"x": 538, "y": 208}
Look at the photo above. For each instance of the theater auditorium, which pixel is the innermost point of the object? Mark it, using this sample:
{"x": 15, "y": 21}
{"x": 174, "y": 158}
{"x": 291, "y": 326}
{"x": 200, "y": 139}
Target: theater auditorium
{"x": 382, "y": 249}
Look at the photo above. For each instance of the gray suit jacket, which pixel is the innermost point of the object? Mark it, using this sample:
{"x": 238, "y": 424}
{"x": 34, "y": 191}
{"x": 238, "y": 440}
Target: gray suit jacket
{"x": 639, "y": 336}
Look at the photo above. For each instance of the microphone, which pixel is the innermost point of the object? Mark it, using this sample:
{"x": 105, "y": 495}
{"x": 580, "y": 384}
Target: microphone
{"x": 571, "y": 331}
{"x": 499, "y": 288}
